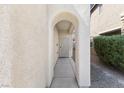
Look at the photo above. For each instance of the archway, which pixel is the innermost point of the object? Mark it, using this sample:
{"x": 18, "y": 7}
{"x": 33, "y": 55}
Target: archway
{"x": 82, "y": 59}
{"x": 65, "y": 27}
{"x": 65, "y": 31}
{"x": 65, "y": 24}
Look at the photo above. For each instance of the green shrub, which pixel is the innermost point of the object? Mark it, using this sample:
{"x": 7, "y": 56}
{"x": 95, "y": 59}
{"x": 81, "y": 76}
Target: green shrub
{"x": 110, "y": 49}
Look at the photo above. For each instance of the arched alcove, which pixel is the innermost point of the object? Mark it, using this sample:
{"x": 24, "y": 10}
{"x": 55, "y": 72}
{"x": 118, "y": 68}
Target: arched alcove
{"x": 62, "y": 20}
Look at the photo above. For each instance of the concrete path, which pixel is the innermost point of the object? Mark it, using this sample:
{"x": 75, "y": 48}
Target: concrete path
{"x": 63, "y": 75}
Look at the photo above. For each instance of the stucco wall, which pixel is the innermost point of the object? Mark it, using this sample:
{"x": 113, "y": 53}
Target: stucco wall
{"x": 56, "y": 45}
{"x": 83, "y": 45}
{"x": 6, "y": 52}
{"x": 29, "y": 27}
{"x": 107, "y": 20}
{"x": 27, "y": 43}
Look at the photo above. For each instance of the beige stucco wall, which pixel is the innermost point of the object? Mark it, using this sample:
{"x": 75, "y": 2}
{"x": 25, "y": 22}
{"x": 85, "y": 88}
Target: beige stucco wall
{"x": 6, "y": 53}
{"x": 83, "y": 44}
{"x": 29, "y": 26}
{"x": 107, "y": 20}
{"x": 56, "y": 45}
{"x": 24, "y": 46}
{"x": 27, "y": 43}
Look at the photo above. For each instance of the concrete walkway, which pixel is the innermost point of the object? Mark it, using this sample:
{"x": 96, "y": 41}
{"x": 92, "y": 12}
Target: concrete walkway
{"x": 63, "y": 75}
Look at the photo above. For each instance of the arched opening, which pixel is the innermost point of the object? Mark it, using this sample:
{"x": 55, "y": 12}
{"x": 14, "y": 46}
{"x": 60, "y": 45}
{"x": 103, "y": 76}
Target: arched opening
{"x": 64, "y": 31}
{"x": 65, "y": 26}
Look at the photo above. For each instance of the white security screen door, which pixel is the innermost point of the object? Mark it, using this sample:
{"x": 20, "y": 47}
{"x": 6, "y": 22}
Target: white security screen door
{"x": 64, "y": 47}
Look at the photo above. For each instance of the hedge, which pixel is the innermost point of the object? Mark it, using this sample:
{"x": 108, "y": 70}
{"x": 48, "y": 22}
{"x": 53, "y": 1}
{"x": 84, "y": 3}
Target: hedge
{"x": 110, "y": 50}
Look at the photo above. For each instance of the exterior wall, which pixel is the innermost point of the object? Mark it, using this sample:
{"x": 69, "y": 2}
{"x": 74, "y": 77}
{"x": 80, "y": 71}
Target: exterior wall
{"x": 107, "y": 20}
{"x": 56, "y": 45}
{"x": 6, "y": 54}
{"x": 29, "y": 28}
{"x": 27, "y": 44}
{"x": 83, "y": 43}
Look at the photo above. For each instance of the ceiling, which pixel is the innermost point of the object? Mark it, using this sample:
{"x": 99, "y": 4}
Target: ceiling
{"x": 64, "y": 25}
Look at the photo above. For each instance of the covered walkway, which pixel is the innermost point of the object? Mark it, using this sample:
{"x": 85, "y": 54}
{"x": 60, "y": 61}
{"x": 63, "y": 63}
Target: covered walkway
{"x": 64, "y": 75}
